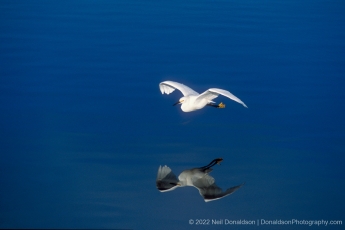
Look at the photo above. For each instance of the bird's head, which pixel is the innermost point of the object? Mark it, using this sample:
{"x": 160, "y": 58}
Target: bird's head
{"x": 182, "y": 100}
{"x": 176, "y": 184}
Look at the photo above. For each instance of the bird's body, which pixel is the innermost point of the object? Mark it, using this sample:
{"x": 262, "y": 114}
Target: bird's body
{"x": 192, "y": 100}
{"x": 196, "y": 177}
{"x": 190, "y": 103}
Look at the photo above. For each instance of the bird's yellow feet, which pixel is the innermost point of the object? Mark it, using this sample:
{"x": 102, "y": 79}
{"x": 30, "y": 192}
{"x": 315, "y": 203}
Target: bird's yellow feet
{"x": 219, "y": 160}
{"x": 221, "y": 105}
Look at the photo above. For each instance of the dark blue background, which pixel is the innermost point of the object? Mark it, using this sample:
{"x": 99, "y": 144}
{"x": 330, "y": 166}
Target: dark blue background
{"x": 84, "y": 126}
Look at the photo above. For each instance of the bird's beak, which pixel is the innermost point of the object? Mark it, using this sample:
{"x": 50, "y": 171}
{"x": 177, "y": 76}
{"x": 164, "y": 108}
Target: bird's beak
{"x": 177, "y": 103}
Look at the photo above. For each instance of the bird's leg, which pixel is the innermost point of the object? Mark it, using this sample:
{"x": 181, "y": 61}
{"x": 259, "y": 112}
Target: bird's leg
{"x": 220, "y": 106}
{"x": 213, "y": 105}
{"x": 214, "y": 162}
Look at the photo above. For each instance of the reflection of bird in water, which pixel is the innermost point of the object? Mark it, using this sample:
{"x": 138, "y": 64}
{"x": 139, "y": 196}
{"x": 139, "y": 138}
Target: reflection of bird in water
{"x": 196, "y": 177}
{"x": 192, "y": 100}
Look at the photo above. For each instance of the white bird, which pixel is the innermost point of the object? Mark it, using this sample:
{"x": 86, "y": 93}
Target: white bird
{"x": 192, "y": 100}
{"x": 197, "y": 177}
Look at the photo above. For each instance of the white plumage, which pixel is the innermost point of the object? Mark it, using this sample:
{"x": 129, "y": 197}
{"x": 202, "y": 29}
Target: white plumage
{"x": 192, "y": 100}
{"x": 197, "y": 177}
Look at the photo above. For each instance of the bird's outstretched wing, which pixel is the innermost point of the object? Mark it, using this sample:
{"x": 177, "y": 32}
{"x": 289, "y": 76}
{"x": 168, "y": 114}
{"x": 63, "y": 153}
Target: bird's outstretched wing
{"x": 166, "y": 179}
{"x": 213, "y": 192}
{"x": 169, "y": 87}
{"x": 214, "y": 92}
{"x": 204, "y": 181}
{"x": 210, "y": 191}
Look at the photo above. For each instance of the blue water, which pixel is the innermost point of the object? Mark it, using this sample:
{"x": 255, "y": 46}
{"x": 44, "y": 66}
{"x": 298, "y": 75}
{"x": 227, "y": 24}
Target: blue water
{"x": 84, "y": 126}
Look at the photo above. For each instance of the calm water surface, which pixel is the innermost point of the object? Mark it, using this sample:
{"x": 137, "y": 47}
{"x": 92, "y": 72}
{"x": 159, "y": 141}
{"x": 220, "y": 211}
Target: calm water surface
{"x": 84, "y": 126}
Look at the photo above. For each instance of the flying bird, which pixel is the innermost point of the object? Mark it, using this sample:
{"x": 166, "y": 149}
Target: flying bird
{"x": 192, "y": 100}
{"x": 197, "y": 177}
